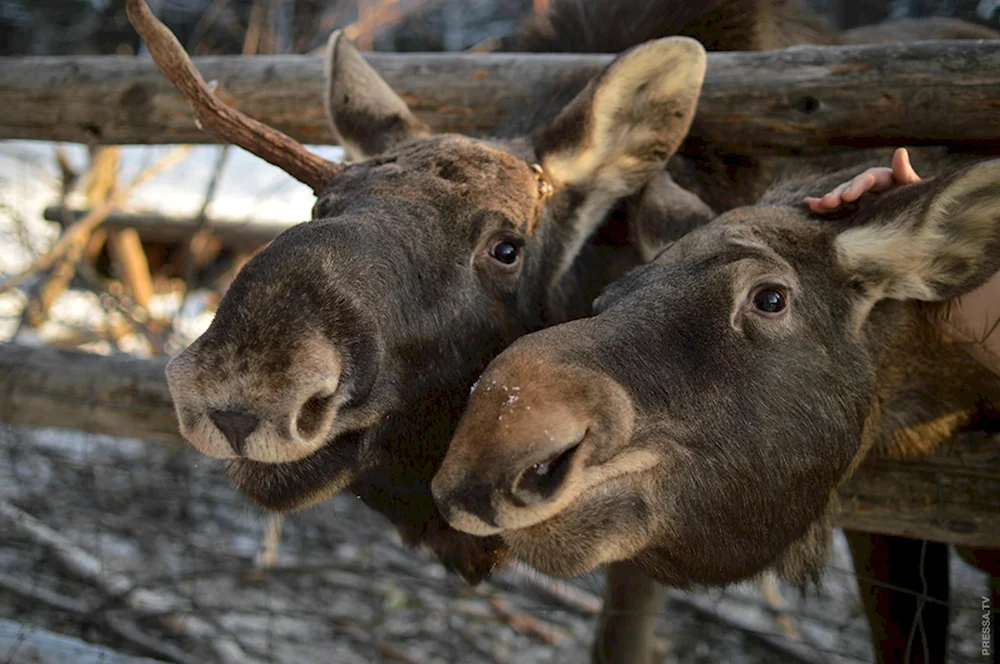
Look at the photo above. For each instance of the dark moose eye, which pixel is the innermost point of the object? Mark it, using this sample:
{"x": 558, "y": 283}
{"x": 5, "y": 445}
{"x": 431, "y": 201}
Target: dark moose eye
{"x": 505, "y": 252}
{"x": 769, "y": 301}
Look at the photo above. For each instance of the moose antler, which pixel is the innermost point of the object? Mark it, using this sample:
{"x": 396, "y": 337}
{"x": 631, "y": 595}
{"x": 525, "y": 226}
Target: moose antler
{"x": 221, "y": 119}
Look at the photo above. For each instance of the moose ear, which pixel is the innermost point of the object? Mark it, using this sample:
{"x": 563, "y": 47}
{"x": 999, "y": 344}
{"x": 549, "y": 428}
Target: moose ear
{"x": 931, "y": 240}
{"x": 367, "y": 116}
{"x": 665, "y": 212}
{"x": 621, "y": 129}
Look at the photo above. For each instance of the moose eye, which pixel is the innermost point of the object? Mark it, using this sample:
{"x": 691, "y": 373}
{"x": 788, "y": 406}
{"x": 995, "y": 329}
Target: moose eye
{"x": 506, "y": 252}
{"x": 770, "y": 300}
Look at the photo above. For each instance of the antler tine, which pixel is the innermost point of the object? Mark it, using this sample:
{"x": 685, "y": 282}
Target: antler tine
{"x": 224, "y": 121}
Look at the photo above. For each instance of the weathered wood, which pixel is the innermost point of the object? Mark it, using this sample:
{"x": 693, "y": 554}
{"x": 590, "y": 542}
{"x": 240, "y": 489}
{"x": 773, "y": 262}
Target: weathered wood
{"x": 118, "y": 395}
{"x": 241, "y": 236}
{"x": 781, "y": 102}
{"x": 951, "y": 496}
{"x": 126, "y": 246}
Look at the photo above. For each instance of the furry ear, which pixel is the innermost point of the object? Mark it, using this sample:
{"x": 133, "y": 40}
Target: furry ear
{"x": 931, "y": 240}
{"x": 621, "y": 129}
{"x": 367, "y": 116}
{"x": 666, "y": 211}
{"x": 618, "y": 133}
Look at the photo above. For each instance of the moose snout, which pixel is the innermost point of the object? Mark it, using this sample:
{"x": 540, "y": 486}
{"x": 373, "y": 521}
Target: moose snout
{"x": 536, "y": 435}
{"x": 489, "y": 495}
{"x": 271, "y": 412}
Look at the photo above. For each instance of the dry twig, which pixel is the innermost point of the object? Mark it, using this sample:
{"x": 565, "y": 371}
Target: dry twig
{"x": 100, "y": 182}
{"x": 772, "y": 597}
{"x": 388, "y": 12}
{"x": 526, "y": 623}
{"x": 126, "y": 247}
{"x": 129, "y": 631}
{"x": 569, "y": 596}
{"x": 172, "y": 611}
{"x": 362, "y": 635}
{"x": 199, "y": 242}
{"x": 36, "y": 593}
{"x": 267, "y": 556}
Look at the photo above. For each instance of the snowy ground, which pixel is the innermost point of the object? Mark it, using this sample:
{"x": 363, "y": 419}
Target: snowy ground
{"x": 343, "y": 589}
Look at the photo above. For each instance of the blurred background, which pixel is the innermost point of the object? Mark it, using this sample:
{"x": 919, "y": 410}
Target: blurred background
{"x": 117, "y": 550}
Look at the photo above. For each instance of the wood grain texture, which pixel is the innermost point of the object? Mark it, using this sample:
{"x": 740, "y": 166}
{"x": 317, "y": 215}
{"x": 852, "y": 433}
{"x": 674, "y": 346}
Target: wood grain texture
{"x": 118, "y": 395}
{"x": 806, "y": 98}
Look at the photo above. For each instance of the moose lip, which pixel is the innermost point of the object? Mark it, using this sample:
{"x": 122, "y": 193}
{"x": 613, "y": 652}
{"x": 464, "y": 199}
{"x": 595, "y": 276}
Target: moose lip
{"x": 538, "y": 542}
{"x": 569, "y": 512}
{"x": 292, "y": 485}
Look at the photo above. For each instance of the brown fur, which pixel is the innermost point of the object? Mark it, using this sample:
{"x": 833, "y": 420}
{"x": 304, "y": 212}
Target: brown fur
{"x": 918, "y": 29}
{"x": 721, "y": 25}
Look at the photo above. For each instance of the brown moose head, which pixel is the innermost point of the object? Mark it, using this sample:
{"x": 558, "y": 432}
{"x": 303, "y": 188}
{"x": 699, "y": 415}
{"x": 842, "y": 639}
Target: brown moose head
{"x": 701, "y": 421}
{"x": 343, "y": 353}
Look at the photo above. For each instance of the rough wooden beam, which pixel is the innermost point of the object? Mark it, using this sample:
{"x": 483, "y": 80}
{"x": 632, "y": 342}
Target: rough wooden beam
{"x": 950, "y": 496}
{"x": 778, "y": 102}
{"x": 118, "y": 395}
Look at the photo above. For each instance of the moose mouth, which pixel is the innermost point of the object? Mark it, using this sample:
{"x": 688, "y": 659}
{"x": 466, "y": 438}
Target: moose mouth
{"x": 617, "y": 477}
{"x": 553, "y": 494}
{"x": 610, "y": 521}
{"x": 293, "y": 485}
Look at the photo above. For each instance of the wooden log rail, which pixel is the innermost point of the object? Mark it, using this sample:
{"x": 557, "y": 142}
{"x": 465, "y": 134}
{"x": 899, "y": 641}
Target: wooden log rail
{"x": 803, "y": 98}
{"x": 951, "y": 496}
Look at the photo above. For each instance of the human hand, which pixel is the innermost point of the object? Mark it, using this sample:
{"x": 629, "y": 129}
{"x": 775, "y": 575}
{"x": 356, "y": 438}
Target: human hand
{"x": 874, "y": 179}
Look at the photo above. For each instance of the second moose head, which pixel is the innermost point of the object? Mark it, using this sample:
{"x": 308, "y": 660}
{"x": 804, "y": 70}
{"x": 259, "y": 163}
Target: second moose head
{"x": 701, "y": 422}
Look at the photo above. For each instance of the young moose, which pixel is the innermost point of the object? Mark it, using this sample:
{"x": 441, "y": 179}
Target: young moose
{"x": 701, "y": 422}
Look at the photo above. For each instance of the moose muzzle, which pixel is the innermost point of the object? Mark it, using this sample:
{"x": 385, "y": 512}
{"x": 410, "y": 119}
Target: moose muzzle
{"x": 228, "y": 408}
{"x": 537, "y": 435}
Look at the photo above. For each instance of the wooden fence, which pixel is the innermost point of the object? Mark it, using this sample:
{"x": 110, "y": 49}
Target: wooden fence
{"x": 805, "y": 98}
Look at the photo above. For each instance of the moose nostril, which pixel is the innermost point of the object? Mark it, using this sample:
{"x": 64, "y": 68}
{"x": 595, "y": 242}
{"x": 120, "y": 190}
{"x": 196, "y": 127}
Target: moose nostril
{"x": 312, "y": 414}
{"x": 236, "y": 426}
{"x": 474, "y": 497}
{"x": 542, "y": 481}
